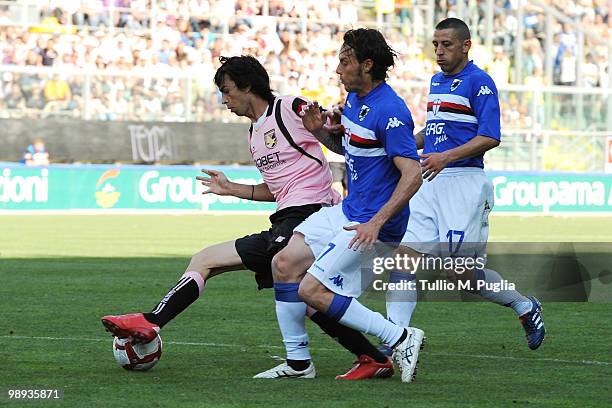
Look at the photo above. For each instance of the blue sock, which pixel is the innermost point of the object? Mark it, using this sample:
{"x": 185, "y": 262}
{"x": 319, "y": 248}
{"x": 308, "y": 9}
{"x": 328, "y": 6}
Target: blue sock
{"x": 290, "y": 312}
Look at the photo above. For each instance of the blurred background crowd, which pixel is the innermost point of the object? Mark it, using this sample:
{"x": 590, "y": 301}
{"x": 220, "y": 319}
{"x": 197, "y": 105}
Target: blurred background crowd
{"x": 155, "y": 60}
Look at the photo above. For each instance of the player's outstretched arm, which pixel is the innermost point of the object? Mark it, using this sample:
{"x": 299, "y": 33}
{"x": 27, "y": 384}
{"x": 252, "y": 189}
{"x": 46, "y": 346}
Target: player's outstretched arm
{"x": 407, "y": 186}
{"x": 324, "y": 125}
{"x": 218, "y": 183}
{"x": 434, "y": 163}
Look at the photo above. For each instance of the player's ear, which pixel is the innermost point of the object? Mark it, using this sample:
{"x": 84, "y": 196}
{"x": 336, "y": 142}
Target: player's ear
{"x": 367, "y": 65}
{"x": 467, "y": 44}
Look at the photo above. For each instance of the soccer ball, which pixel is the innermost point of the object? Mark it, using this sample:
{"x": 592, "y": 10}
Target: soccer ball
{"x": 140, "y": 357}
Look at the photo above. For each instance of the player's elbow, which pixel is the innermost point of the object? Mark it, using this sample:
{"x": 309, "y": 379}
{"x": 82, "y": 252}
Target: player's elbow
{"x": 414, "y": 174}
{"x": 490, "y": 143}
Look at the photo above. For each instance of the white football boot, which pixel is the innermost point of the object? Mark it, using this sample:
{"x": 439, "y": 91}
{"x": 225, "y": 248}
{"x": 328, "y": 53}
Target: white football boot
{"x": 406, "y": 354}
{"x": 284, "y": 371}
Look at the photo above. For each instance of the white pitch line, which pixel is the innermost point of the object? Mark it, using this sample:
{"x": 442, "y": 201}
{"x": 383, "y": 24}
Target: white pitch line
{"x": 187, "y": 343}
{"x": 552, "y": 360}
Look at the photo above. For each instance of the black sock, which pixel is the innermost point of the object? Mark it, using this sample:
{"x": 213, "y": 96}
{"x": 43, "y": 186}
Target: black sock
{"x": 350, "y": 339}
{"x": 402, "y": 338}
{"x": 298, "y": 365}
{"x": 184, "y": 293}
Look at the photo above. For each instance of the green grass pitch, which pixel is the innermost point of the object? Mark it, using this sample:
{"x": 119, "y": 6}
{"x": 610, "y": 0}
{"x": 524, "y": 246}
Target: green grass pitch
{"x": 59, "y": 274}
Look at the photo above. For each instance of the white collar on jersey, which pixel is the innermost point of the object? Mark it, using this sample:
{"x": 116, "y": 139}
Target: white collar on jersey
{"x": 260, "y": 121}
{"x": 263, "y": 117}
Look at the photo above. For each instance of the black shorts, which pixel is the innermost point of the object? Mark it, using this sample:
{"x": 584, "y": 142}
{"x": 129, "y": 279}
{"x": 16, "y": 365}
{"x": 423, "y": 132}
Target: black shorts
{"x": 256, "y": 250}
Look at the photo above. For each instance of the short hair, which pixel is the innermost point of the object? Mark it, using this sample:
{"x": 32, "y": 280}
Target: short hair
{"x": 368, "y": 43}
{"x": 247, "y": 73}
{"x": 460, "y": 28}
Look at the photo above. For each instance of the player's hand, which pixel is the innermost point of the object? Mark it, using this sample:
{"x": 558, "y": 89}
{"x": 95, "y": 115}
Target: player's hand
{"x": 333, "y": 123}
{"x": 334, "y": 115}
{"x": 433, "y": 164}
{"x": 366, "y": 236}
{"x": 217, "y": 183}
{"x": 313, "y": 119}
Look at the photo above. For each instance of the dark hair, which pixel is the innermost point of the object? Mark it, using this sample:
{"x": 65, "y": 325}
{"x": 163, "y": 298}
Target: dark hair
{"x": 460, "y": 28}
{"x": 247, "y": 73}
{"x": 368, "y": 43}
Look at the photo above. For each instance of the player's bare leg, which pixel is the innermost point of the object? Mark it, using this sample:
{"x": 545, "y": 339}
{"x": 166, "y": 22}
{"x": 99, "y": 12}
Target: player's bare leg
{"x": 406, "y": 342}
{"x": 209, "y": 262}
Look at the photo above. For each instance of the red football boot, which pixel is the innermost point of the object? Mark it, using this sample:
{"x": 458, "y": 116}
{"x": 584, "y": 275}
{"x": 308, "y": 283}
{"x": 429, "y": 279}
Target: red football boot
{"x": 366, "y": 367}
{"x": 131, "y": 325}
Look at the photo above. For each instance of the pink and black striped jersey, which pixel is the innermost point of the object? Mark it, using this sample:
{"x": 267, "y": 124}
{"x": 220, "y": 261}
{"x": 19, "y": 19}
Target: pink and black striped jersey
{"x": 289, "y": 157}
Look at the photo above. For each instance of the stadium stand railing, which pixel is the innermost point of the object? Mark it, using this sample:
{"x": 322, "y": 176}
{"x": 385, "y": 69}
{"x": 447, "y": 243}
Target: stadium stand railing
{"x": 539, "y": 118}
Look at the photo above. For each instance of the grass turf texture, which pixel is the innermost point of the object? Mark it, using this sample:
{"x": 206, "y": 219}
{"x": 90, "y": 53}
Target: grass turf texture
{"x": 59, "y": 274}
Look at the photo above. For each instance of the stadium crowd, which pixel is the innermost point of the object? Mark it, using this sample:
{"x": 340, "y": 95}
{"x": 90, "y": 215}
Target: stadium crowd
{"x": 125, "y": 49}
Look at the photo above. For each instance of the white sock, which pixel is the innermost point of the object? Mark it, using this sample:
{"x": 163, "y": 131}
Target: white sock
{"x": 509, "y": 298}
{"x": 401, "y": 301}
{"x": 361, "y": 318}
{"x": 290, "y": 313}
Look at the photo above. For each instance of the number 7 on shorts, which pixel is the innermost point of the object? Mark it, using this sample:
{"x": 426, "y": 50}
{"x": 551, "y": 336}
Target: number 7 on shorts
{"x": 331, "y": 246}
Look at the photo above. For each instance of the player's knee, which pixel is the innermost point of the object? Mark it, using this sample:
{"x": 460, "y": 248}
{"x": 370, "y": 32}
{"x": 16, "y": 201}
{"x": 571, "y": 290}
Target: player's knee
{"x": 204, "y": 273}
{"x": 202, "y": 262}
{"x": 282, "y": 270}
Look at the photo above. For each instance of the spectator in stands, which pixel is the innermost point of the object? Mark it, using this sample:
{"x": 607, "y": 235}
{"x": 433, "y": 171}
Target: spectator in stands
{"x": 533, "y": 58}
{"x": 499, "y": 68}
{"x": 190, "y": 35}
{"x": 535, "y": 100}
{"x": 604, "y": 66}
{"x": 15, "y": 100}
{"x": 590, "y": 72}
{"x": 49, "y": 54}
{"x": 567, "y": 58}
{"x": 57, "y": 93}
{"x": 36, "y": 154}
{"x": 36, "y": 100}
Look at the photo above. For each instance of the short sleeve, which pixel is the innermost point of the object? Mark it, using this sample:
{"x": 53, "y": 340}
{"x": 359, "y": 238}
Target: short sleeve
{"x": 298, "y": 105}
{"x": 485, "y": 103}
{"x": 291, "y": 108}
{"x": 395, "y": 130}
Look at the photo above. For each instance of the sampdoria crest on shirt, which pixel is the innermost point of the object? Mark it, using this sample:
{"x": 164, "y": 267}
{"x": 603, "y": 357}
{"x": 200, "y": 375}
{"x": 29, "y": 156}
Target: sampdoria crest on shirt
{"x": 363, "y": 112}
{"x": 455, "y": 84}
